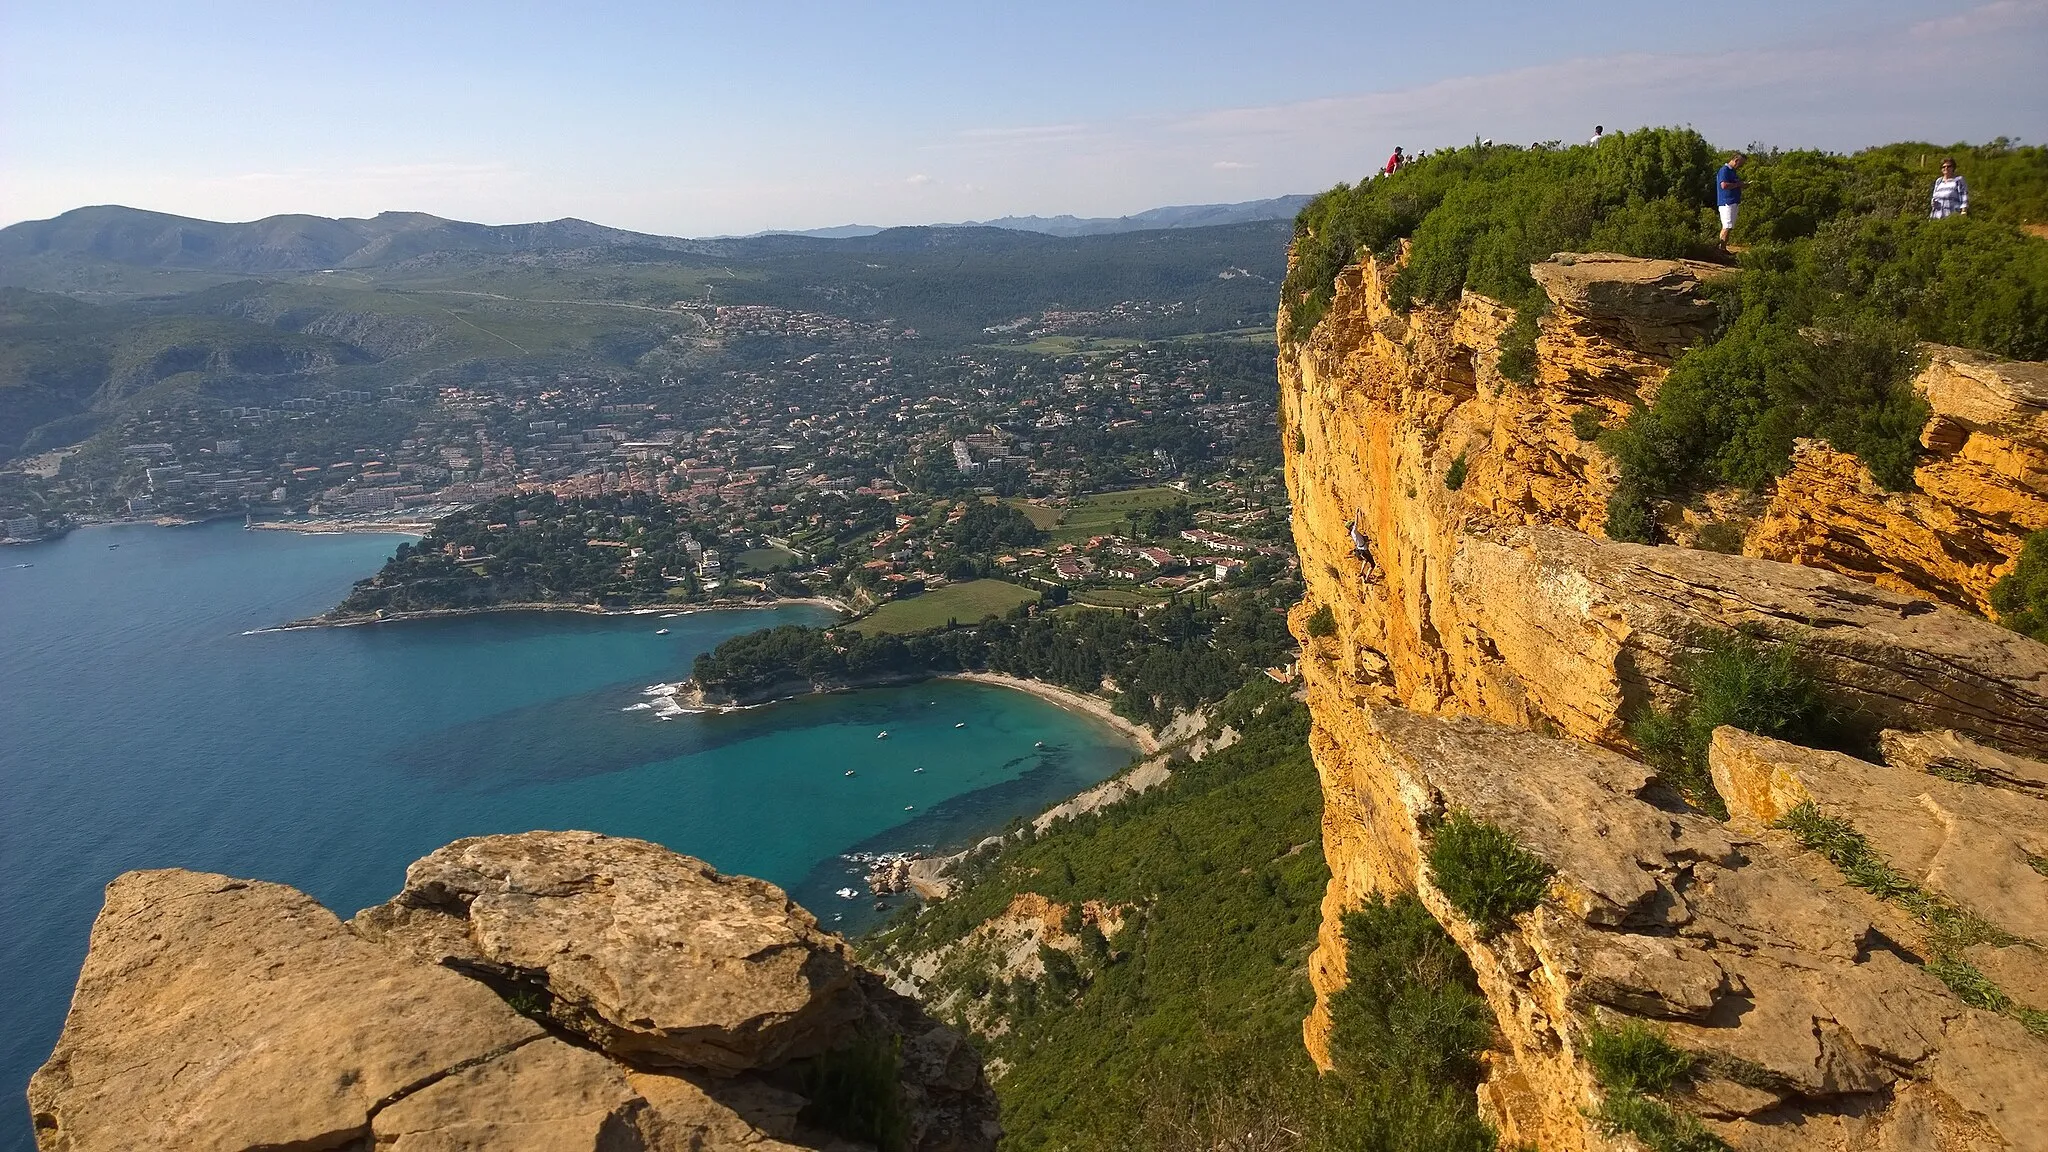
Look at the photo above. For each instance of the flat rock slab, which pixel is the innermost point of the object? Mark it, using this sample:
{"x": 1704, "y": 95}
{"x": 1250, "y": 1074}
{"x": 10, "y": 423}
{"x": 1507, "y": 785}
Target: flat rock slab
{"x": 215, "y": 1013}
{"x": 654, "y": 956}
{"x": 1970, "y": 843}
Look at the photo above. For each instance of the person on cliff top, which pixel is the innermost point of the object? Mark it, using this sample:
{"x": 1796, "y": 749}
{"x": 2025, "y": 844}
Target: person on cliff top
{"x": 1951, "y": 194}
{"x": 1394, "y": 161}
{"x": 1599, "y": 130}
{"x": 1728, "y": 194}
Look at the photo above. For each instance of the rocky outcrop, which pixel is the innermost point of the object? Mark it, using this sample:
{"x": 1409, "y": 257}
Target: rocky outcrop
{"x": 1866, "y": 982}
{"x": 1808, "y": 1001}
{"x": 1980, "y": 489}
{"x": 659, "y": 1006}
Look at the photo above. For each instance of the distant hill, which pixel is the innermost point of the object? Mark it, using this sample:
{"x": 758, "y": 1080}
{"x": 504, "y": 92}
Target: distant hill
{"x": 1178, "y": 216}
{"x": 284, "y": 244}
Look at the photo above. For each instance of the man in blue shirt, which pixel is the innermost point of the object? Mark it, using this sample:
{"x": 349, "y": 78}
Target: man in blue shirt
{"x": 1728, "y": 194}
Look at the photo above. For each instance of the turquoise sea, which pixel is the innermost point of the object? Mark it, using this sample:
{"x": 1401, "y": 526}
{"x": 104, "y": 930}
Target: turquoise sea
{"x": 144, "y": 723}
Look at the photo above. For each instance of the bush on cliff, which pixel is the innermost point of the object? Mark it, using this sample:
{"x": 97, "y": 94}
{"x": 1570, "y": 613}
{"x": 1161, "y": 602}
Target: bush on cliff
{"x": 1479, "y": 216}
{"x": 1484, "y": 872}
{"x": 2021, "y": 596}
{"x": 1732, "y": 679}
{"x": 1845, "y": 275}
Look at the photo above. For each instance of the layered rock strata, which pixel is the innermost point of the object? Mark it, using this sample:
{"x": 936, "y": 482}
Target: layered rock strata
{"x": 1492, "y": 648}
{"x": 661, "y": 1006}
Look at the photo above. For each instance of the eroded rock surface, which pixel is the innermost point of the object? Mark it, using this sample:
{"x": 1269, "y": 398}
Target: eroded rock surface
{"x": 1818, "y": 1028}
{"x": 683, "y": 1010}
{"x": 653, "y": 955}
{"x": 1492, "y": 648}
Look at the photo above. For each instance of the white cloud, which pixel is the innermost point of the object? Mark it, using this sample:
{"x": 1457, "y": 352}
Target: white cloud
{"x": 919, "y": 179}
{"x": 1231, "y": 166}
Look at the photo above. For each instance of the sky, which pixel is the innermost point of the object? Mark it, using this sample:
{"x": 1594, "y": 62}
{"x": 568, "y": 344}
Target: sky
{"x": 695, "y": 119}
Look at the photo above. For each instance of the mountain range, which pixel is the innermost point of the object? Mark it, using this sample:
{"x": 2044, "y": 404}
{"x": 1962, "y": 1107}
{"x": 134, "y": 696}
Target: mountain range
{"x": 1174, "y": 216}
{"x": 289, "y": 244}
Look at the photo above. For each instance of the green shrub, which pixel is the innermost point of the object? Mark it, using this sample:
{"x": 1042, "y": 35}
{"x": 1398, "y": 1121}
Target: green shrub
{"x": 1322, "y": 622}
{"x": 1454, "y": 476}
{"x": 1736, "y": 680}
{"x": 1479, "y": 216}
{"x": 1723, "y": 536}
{"x": 1518, "y": 346}
{"x": 1409, "y": 1006}
{"x": 854, "y": 1093}
{"x": 1587, "y": 422}
{"x": 2021, "y": 596}
{"x": 1635, "y": 1058}
{"x": 1659, "y": 1127}
{"x": 1484, "y": 872}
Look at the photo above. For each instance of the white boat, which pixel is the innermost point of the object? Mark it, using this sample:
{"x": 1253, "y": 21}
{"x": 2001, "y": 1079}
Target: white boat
{"x": 909, "y": 807}
{"x": 919, "y": 768}
{"x": 661, "y": 631}
{"x": 849, "y": 771}
{"x": 1038, "y": 744}
{"x": 848, "y": 894}
{"x": 961, "y": 724}
{"x": 882, "y": 735}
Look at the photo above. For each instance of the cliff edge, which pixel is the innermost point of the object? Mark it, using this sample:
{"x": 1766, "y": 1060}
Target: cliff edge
{"x": 1826, "y": 948}
{"x": 550, "y": 990}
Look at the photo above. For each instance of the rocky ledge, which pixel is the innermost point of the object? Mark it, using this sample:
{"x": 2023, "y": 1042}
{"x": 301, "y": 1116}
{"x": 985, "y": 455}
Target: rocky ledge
{"x": 549, "y": 990}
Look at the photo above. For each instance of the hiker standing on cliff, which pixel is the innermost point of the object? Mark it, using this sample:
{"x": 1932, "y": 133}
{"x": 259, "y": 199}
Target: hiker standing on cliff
{"x": 1728, "y": 195}
{"x": 1394, "y": 161}
{"x": 1951, "y": 194}
{"x": 1599, "y": 131}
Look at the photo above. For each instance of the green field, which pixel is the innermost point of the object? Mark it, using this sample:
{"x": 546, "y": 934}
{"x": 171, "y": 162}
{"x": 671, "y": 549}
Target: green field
{"x": 1042, "y": 518}
{"x": 965, "y": 603}
{"x": 769, "y": 559}
{"x": 1069, "y": 345}
{"x": 1103, "y": 513}
{"x": 1116, "y": 598}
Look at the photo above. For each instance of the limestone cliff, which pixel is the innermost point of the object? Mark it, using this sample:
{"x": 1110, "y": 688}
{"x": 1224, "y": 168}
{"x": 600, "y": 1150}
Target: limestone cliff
{"x": 552, "y": 990}
{"x": 1490, "y": 647}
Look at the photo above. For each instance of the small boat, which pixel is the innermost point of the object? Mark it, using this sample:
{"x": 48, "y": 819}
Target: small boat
{"x": 961, "y": 724}
{"x": 909, "y": 807}
{"x": 24, "y": 565}
{"x": 919, "y": 768}
{"x": 848, "y": 894}
{"x": 1038, "y": 744}
{"x": 849, "y": 771}
{"x": 111, "y": 547}
{"x": 661, "y": 631}
{"x": 882, "y": 735}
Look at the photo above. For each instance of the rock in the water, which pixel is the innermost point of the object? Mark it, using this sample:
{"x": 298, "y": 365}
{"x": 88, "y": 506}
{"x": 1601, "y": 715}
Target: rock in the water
{"x": 655, "y": 956}
{"x": 223, "y": 1014}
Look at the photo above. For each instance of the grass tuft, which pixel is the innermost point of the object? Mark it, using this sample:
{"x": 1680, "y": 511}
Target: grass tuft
{"x": 1635, "y": 1058}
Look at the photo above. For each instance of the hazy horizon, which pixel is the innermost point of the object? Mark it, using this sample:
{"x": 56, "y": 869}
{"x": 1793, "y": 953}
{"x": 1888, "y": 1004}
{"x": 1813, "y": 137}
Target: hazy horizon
{"x": 703, "y": 123}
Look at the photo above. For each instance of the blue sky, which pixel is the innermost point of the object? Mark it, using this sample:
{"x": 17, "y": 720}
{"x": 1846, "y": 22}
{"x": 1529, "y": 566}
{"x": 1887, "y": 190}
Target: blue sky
{"x": 698, "y": 119}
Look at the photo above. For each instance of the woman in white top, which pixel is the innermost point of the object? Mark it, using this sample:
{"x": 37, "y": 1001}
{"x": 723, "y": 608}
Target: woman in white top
{"x": 1951, "y": 195}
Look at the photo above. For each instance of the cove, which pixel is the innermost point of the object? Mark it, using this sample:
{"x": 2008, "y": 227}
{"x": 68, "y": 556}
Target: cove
{"x": 145, "y": 722}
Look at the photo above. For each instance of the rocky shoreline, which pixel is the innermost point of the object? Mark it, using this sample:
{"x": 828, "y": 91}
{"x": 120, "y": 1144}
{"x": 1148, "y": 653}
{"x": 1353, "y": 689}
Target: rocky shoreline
{"x": 351, "y": 620}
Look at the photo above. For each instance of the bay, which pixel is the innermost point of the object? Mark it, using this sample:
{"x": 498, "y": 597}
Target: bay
{"x": 146, "y": 722}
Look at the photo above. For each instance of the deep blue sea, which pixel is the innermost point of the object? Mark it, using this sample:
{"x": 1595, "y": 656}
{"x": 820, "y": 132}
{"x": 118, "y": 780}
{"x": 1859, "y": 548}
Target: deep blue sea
{"x": 144, "y": 725}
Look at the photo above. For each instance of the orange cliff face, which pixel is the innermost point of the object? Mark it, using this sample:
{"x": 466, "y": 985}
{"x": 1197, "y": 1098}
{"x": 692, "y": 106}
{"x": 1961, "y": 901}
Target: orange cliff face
{"x": 1491, "y": 644}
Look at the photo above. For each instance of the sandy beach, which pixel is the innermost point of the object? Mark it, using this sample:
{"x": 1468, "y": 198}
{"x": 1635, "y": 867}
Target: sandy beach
{"x": 1145, "y": 738}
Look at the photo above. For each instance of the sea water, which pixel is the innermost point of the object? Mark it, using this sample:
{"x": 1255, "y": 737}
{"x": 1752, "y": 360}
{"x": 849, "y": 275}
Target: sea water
{"x": 147, "y": 720}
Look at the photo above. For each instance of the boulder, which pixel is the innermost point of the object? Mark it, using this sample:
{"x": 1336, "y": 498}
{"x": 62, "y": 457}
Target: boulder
{"x": 654, "y": 956}
{"x": 684, "y": 1011}
{"x": 221, "y": 1013}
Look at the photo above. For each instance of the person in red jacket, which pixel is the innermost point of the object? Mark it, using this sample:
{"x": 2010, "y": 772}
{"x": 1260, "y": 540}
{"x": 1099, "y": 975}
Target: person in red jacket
{"x": 1394, "y": 161}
